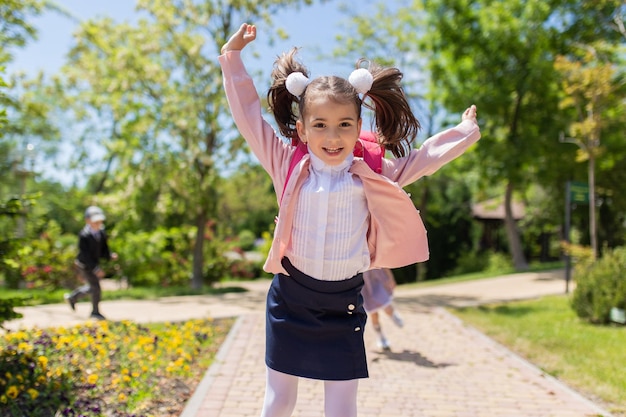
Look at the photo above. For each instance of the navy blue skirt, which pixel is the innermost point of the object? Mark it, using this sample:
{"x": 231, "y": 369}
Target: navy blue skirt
{"x": 314, "y": 328}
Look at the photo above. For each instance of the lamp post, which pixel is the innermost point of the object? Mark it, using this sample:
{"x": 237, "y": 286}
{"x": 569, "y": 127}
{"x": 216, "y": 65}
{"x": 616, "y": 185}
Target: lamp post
{"x": 589, "y": 149}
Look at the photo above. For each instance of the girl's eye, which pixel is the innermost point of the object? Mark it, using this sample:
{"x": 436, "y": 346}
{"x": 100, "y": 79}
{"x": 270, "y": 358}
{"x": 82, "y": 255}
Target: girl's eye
{"x": 319, "y": 125}
{"x": 346, "y": 124}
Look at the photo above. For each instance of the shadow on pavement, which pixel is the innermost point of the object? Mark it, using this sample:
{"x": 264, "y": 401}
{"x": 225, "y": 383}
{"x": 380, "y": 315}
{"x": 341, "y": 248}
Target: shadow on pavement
{"x": 424, "y": 303}
{"x": 411, "y": 357}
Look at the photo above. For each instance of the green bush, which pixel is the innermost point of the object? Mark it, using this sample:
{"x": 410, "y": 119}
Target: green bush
{"x": 246, "y": 240}
{"x": 7, "y": 311}
{"x": 161, "y": 257}
{"x": 47, "y": 262}
{"x": 600, "y": 286}
{"x": 44, "y": 262}
{"x": 469, "y": 262}
{"x": 485, "y": 261}
{"x": 498, "y": 262}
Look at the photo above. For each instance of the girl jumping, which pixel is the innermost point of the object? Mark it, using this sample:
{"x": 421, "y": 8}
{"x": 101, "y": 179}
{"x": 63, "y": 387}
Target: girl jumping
{"x": 337, "y": 217}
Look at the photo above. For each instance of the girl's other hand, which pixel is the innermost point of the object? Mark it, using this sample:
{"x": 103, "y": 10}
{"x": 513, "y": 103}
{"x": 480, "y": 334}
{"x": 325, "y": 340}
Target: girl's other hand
{"x": 470, "y": 114}
{"x": 241, "y": 38}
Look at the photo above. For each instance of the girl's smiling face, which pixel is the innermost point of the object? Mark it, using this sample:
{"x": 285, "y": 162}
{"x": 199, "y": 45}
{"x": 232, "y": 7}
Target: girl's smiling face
{"x": 330, "y": 129}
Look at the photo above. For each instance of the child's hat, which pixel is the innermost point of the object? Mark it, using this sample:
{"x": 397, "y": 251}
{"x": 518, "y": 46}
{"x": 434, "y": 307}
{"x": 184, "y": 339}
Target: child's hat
{"x": 95, "y": 214}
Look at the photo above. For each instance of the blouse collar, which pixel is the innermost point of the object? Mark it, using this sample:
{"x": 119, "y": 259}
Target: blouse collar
{"x": 319, "y": 165}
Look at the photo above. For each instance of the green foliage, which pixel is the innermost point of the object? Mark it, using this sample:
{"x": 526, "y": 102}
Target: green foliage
{"x": 251, "y": 210}
{"x": 44, "y": 261}
{"x": 158, "y": 258}
{"x": 264, "y": 248}
{"x": 470, "y": 262}
{"x": 163, "y": 258}
{"x": 3, "y": 100}
{"x": 16, "y": 30}
{"x": 246, "y": 240}
{"x": 498, "y": 262}
{"x": 444, "y": 203}
{"x": 245, "y": 269}
{"x": 105, "y": 368}
{"x": 480, "y": 52}
{"x": 47, "y": 261}
{"x": 154, "y": 88}
{"x": 600, "y": 286}
{"x": 7, "y": 311}
{"x": 486, "y": 261}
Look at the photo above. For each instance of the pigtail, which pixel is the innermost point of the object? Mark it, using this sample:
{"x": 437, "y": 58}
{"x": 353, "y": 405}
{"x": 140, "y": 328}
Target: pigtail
{"x": 281, "y": 102}
{"x": 396, "y": 124}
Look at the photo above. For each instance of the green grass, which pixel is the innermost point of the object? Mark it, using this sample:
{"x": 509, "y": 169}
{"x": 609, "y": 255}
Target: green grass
{"x": 33, "y": 297}
{"x": 547, "y": 332}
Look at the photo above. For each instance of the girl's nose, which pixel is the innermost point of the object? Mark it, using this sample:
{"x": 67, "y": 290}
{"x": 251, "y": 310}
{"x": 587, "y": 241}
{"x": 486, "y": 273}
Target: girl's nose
{"x": 333, "y": 134}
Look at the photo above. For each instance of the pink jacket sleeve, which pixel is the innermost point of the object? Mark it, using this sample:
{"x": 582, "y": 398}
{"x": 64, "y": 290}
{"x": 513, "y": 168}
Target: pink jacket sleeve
{"x": 273, "y": 153}
{"x": 434, "y": 153}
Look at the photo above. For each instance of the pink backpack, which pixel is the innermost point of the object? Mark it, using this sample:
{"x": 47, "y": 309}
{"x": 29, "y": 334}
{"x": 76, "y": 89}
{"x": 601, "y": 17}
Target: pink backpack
{"x": 367, "y": 147}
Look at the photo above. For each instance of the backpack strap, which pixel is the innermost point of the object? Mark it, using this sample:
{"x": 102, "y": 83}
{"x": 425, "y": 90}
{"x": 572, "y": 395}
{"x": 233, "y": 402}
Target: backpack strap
{"x": 301, "y": 150}
{"x": 368, "y": 148}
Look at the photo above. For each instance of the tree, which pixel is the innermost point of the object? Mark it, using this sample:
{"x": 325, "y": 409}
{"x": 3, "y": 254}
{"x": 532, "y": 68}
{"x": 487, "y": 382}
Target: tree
{"x": 247, "y": 201}
{"x": 589, "y": 86}
{"x": 15, "y": 28}
{"x": 151, "y": 96}
{"x": 500, "y": 56}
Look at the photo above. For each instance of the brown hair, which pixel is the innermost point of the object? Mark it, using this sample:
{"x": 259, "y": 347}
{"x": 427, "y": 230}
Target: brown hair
{"x": 396, "y": 124}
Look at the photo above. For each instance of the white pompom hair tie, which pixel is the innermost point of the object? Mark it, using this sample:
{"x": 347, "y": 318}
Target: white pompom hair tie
{"x": 362, "y": 80}
{"x": 296, "y": 83}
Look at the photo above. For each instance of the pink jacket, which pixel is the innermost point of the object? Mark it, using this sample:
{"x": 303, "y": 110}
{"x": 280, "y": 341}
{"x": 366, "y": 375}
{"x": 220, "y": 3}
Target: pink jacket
{"x": 397, "y": 236}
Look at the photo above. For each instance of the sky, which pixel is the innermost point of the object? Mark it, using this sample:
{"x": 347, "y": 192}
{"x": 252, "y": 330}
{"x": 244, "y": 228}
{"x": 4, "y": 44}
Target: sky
{"x": 312, "y": 28}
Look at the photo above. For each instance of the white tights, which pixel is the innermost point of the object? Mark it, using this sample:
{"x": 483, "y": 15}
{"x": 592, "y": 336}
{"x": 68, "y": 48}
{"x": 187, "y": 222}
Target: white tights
{"x": 281, "y": 392}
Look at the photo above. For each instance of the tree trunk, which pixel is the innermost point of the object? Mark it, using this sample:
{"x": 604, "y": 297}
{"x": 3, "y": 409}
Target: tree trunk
{"x": 198, "y": 251}
{"x": 593, "y": 234}
{"x": 512, "y": 232}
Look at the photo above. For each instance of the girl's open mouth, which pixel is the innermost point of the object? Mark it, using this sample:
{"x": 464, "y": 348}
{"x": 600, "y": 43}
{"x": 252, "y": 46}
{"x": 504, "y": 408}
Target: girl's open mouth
{"x": 333, "y": 150}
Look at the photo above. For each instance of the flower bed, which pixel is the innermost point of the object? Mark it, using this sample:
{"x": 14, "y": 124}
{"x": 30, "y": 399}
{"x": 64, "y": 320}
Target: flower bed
{"x": 106, "y": 368}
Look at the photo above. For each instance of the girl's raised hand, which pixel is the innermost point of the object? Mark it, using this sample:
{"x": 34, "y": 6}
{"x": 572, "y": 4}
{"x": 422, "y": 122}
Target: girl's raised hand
{"x": 245, "y": 35}
{"x": 470, "y": 114}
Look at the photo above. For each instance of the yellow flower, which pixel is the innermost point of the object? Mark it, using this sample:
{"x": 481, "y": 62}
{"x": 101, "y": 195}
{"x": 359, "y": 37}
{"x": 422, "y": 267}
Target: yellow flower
{"x": 33, "y": 393}
{"x": 12, "y": 392}
{"x": 24, "y": 347}
{"x": 92, "y": 379}
{"x": 43, "y": 361}
{"x": 121, "y": 397}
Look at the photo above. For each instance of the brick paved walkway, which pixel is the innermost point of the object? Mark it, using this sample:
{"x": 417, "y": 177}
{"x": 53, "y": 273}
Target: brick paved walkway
{"x": 437, "y": 367}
